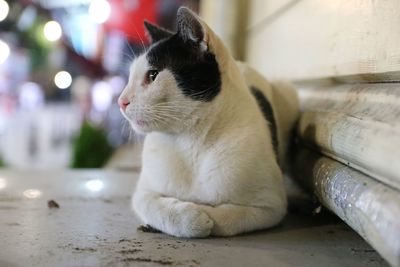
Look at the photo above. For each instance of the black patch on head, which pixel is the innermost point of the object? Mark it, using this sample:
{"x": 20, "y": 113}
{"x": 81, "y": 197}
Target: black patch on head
{"x": 196, "y": 71}
{"x": 268, "y": 113}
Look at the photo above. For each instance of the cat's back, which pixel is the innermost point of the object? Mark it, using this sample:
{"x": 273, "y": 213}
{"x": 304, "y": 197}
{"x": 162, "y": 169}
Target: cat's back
{"x": 279, "y": 102}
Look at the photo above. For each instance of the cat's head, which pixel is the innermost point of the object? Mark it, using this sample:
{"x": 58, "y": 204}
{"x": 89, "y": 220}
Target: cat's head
{"x": 176, "y": 79}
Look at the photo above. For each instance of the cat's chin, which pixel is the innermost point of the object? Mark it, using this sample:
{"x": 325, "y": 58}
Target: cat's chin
{"x": 148, "y": 128}
{"x": 143, "y": 127}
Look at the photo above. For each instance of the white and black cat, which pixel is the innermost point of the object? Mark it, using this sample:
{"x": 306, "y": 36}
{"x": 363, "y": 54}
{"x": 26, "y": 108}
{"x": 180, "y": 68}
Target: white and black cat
{"x": 215, "y": 132}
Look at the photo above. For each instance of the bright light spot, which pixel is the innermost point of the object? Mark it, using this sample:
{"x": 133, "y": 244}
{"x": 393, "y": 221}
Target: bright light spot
{"x": 4, "y": 51}
{"x": 94, "y": 185}
{"x": 63, "y": 79}
{"x": 52, "y": 31}
{"x": 99, "y": 11}
{"x": 102, "y": 96}
{"x": 32, "y": 193}
{"x": 31, "y": 96}
{"x": 4, "y": 8}
{"x": 3, "y": 183}
{"x": 117, "y": 84}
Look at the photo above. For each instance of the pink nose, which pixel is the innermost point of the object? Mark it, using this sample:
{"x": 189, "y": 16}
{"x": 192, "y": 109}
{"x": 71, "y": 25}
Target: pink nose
{"x": 123, "y": 103}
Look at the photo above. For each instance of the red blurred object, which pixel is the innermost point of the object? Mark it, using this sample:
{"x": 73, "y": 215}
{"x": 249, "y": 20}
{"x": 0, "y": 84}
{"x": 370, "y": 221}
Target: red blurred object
{"x": 127, "y": 16}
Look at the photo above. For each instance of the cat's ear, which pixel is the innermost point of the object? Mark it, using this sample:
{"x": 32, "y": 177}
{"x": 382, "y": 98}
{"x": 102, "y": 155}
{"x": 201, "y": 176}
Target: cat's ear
{"x": 156, "y": 33}
{"x": 190, "y": 28}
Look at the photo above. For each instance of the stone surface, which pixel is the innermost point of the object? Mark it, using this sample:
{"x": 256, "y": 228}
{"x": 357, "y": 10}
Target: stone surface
{"x": 94, "y": 226}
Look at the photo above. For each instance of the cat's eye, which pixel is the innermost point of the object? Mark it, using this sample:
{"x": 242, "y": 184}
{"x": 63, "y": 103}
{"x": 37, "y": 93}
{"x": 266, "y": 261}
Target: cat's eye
{"x": 151, "y": 75}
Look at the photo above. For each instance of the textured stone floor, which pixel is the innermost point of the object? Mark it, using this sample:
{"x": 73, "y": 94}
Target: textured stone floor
{"x": 94, "y": 226}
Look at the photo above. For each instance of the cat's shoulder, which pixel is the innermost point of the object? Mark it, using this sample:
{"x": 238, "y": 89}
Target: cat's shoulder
{"x": 255, "y": 80}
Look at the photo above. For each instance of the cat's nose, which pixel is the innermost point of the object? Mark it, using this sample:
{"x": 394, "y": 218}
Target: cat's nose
{"x": 123, "y": 103}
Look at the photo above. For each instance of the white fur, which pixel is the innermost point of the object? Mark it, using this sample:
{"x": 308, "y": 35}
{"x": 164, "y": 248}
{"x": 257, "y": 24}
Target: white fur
{"x": 208, "y": 168}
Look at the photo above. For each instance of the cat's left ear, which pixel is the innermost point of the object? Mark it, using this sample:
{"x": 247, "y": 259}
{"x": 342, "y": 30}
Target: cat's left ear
{"x": 191, "y": 28}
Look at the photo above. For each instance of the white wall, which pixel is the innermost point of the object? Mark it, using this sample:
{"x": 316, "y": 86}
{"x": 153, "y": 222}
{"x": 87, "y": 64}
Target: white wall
{"x": 308, "y": 39}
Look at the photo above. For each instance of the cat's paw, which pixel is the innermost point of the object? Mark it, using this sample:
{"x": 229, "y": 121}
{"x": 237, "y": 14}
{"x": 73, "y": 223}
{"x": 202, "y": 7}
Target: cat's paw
{"x": 193, "y": 222}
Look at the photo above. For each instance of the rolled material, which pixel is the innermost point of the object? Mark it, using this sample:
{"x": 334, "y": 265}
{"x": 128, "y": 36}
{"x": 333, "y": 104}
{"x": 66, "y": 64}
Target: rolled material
{"x": 369, "y": 146}
{"x": 369, "y": 207}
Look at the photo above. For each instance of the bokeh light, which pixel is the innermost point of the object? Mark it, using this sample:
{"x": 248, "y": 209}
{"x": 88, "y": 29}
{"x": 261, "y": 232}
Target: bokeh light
{"x": 3, "y": 183}
{"x": 32, "y": 193}
{"x": 99, "y": 11}
{"x": 52, "y": 31}
{"x": 4, "y": 9}
{"x": 31, "y": 96}
{"x": 63, "y": 79}
{"x": 4, "y": 51}
{"x": 102, "y": 96}
{"x": 94, "y": 185}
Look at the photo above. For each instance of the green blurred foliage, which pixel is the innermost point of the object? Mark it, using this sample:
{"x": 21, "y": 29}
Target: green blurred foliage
{"x": 91, "y": 148}
{"x": 39, "y": 48}
{"x": 2, "y": 164}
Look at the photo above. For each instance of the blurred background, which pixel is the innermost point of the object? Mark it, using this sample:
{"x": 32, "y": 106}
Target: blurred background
{"x": 64, "y": 63}
{"x": 62, "y": 66}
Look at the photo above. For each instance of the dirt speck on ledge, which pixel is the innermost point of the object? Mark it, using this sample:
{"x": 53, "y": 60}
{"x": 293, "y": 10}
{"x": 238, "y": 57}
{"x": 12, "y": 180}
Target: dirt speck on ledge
{"x": 139, "y": 259}
{"x": 52, "y": 204}
{"x": 130, "y": 251}
{"x": 86, "y": 249}
{"x": 148, "y": 229}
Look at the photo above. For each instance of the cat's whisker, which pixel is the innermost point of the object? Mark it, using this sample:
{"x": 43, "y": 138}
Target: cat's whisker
{"x": 175, "y": 105}
{"x": 140, "y": 38}
{"x": 173, "y": 110}
{"x": 199, "y": 93}
{"x": 165, "y": 117}
{"x": 130, "y": 47}
{"x": 125, "y": 126}
{"x": 157, "y": 119}
{"x": 173, "y": 115}
{"x": 158, "y": 115}
{"x": 130, "y": 57}
{"x": 189, "y": 103}
{"x": 164, "y": 113}
{"x": 157, "y": 122}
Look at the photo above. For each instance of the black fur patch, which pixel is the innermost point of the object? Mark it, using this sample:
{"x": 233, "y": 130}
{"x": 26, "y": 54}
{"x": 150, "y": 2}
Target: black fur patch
{"x": 156, "y": 33}
{"x": 196, "y": 72}
{"x": 268, "y": 113}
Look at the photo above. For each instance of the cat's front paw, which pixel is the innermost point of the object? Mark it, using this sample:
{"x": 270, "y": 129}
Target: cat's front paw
{"x": 193, "y": 222}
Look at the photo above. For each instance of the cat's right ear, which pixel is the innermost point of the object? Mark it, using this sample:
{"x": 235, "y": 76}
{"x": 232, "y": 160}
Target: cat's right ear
{"x": 156, "y": 33}
{"x": 191, "y": 29}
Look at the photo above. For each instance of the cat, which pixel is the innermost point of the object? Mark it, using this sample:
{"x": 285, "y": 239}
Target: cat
{"x": 215, "y": 131}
